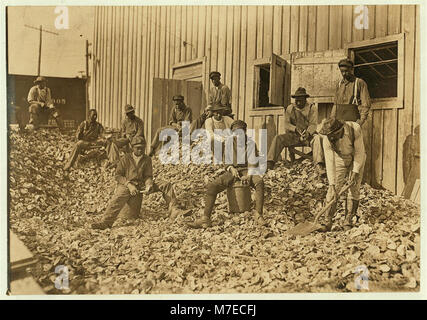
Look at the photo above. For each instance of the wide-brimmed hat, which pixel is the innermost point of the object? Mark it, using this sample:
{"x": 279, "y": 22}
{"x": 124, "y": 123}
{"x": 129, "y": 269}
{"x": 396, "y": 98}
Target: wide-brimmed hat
{"x": 238, "y": 124}
{"x": 300, "y": 92}
{"x": 216, "y": 107}
{"x": 345, "y": 63}
{"x": 138, "y": 141}
{"x": 331, "y": 125}
{"x": 129, "y": 108}
{"x": 40, "y": 79}
{"x": 214, "y": 74}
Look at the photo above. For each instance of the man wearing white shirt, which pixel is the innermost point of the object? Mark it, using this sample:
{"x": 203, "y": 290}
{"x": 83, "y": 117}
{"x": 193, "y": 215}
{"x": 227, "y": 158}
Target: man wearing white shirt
{"x": 217, "y": 122}
{"x": 40, "y": 100}
{"x": 345, "y": 158}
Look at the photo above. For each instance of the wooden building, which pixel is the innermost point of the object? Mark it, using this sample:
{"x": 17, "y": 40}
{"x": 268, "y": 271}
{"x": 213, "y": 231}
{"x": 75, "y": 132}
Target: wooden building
{"x": 145, "y": 55}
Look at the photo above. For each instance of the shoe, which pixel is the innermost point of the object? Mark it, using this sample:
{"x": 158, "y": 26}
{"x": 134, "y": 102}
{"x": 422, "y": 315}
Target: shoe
{"x": 174, "y": 212}
{"x": 203, "y": 222}
{"x": 259, "y": 219}
{"x": 270, "y": 165}
{"x": 100, "y": 225}
{"x": 320, "y": 170}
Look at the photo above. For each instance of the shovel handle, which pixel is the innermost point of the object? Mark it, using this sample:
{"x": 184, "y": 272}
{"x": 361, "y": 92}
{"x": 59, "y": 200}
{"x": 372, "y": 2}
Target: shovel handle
{"x": 344, "y": 189}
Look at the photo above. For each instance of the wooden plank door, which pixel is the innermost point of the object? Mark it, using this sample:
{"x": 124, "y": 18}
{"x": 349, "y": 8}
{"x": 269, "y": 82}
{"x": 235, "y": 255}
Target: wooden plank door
{"x": 162, "y": 104}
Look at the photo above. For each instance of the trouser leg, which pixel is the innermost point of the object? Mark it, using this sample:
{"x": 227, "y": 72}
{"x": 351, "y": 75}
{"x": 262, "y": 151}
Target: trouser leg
{"x": 167, "y": 190}
{"x": 78, "y": 148}
{"x": 34, "y": 110}
{"x": 197, "y": 124}
{"x": 258, "y": 183}
{"x": 155, "y": 142}
{"x": 279, "y": 142}
{"x": 317, "y": 149}
{"x": 341, "y": 174}
{"x": 113, "y": 149}
{"x": 120, "y": 198}
{"x": 218, "y": 185}
{"x": 57, "y": 116}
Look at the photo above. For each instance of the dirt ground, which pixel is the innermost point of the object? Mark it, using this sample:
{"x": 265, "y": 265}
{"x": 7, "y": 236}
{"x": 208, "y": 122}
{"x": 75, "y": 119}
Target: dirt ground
{"x": 52, "y": 214}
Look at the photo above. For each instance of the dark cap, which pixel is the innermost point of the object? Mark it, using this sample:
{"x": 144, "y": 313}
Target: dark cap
{"x": 345, "y": 63}
{"x": 40, "y": 79}
{"x": 213, "y": 74}
{"x": 129, "y": 108}
{"x": 138, "y": 141}
{"x": 331, "y": 125}
{"x": 178, "y": 97}
{"x": 300, "y": 92}
{"x": 239, "y": 124}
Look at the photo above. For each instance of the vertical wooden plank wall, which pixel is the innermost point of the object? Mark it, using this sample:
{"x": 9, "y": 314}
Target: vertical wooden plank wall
{"x": 133, "y": 45}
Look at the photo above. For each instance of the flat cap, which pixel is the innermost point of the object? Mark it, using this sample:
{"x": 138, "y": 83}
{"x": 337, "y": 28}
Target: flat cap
{"x": 331, "y": 125}
{"x": 213, "y": 74}
{"x": 138, "y": 141}
{"x": 178, "y": 97}
{"x": 40, "y": 79}
{"x": 129, "y": 108}
{"x": 239, "y": 124}
{"x": 345, "y": 63}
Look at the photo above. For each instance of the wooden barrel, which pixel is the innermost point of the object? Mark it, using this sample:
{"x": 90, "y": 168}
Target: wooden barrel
{"x": 239, "y": 198}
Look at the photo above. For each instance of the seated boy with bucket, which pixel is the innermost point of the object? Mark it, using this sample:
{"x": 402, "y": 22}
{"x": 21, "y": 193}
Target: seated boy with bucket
{"x": 238, "y": 170}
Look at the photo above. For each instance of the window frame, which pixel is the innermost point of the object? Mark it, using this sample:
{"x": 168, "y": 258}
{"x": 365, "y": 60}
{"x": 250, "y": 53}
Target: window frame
{"x": 393, "y": 102}
{"x": 257, "y": 63}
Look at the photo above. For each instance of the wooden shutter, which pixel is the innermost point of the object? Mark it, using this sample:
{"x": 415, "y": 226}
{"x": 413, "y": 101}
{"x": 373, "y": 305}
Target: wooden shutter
{"x": 317, "y": 72}
{"x": 277, "y": 80}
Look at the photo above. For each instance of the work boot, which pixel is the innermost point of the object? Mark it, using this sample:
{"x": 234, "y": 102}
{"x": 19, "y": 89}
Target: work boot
{"x": 331, "y": 215}
{"x": 320, "y": 170}
{"x": 174, "y": 211}
{"x": 270, "y": 165}
{"x": 259, "y": 219}
{"x": 203, "y": 222}
{"x": 351, "y": 212}
{"x": 101, "y": 225}
{"x": 152, "y": 152}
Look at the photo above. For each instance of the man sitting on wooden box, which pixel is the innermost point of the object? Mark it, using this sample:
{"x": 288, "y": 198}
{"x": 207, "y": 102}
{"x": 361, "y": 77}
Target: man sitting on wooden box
{"x": 300, "y": 130}
{"x": 40, "y": 100}
{"x": 239, "y": 170}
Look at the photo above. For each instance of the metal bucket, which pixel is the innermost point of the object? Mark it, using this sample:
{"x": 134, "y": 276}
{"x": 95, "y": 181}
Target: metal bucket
{"x": 239, "y": 198}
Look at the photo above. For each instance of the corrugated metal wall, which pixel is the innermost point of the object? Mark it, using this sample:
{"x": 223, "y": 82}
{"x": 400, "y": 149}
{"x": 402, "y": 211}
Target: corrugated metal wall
{"x": 133, "y": 45}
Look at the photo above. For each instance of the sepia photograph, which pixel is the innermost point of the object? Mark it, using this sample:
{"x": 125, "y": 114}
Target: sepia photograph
{"x": 213, "y": 149}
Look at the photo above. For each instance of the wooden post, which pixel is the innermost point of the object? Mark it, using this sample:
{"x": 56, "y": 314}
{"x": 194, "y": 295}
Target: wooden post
{"x": 87, "y": 78}
{"x": 40, "y": 51}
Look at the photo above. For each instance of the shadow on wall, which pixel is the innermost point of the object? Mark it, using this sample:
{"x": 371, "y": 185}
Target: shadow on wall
{"x": 411, "y": 162}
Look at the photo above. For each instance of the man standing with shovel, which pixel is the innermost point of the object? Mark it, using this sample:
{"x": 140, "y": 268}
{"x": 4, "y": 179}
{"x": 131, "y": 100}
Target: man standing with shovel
{"x": 344, "y": 157}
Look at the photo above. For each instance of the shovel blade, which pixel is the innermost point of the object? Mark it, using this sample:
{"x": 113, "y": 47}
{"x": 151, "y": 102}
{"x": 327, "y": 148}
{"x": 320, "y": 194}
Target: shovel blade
{"x": 304, "y": 228}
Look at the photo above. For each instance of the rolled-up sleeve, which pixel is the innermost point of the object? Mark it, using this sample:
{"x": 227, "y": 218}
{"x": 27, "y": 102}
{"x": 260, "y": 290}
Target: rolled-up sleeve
{"x": 288, "y": 125}
{"x": 329, "y": 160}
{"x": 32, "y": 96}
{"x": 312, "y": 120}
{"x": 121, "y": 173}
{"x": 359, "y": 148}
{"x": 365, "y": 101}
